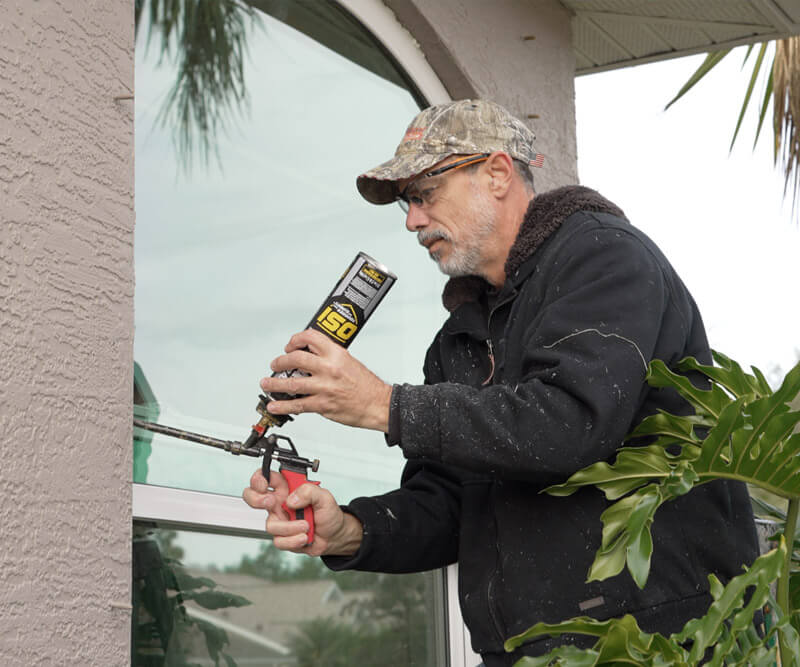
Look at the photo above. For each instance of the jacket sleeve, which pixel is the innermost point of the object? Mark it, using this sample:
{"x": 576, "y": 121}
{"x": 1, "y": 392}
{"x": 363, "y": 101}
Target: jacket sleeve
{"x": 411, "y": 529}
{"x": 583, "y": 359}
{"x": 415, "y": 527}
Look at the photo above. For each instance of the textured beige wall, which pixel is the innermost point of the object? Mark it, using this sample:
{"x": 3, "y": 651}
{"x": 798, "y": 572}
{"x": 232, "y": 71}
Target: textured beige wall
{"x": 66, "y": 330}
{"x": 516, "y": 52}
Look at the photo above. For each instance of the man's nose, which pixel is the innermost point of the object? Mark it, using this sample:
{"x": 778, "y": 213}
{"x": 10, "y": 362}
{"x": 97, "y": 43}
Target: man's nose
{"x": 416, "y": 218}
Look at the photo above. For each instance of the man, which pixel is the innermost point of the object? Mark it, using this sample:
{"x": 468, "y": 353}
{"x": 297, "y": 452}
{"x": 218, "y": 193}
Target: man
{"x": 557, "y": 304}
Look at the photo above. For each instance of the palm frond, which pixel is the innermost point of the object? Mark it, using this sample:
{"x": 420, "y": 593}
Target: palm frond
{"x": 711, "y": 61}
{"x": 753, "y": 78}
{"x": 786, "y": 111}
{"x": 764, "y": 106}
{"x": 208, "y": 42}
{"x": 782, "y": 89}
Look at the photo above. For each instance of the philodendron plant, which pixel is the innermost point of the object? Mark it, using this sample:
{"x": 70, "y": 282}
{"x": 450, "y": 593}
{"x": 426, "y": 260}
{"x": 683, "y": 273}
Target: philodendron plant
{"x": 751, "y": 436}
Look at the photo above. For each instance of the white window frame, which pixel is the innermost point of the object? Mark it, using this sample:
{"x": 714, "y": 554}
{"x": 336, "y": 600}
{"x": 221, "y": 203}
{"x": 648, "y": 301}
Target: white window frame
{"x": 216, "y": 513}
{"x": 383, "y": 24}
{"x": 181, "y": 509}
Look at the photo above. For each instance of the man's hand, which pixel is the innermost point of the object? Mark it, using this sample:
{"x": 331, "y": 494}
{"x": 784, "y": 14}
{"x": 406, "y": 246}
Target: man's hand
{"x": 340, "y": 387}
{"x": 336, "y": 533}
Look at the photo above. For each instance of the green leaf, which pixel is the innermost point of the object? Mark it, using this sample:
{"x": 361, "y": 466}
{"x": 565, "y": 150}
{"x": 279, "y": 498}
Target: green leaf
{"x": 716, "y": 448}
{"x": 786, "y": 624}
{"x": 753, "y": 443}
{"x": 751, "y": 440}
{"x": 677, "y": 429}
{"x": 767, "y": 510}
{"x": 569, "y": 656}
{"x": 706, "y": 66}
{"x": 706, "y": 402}
{"x": 749, "y": 92}
{"x": 620, "y": 641}
{"x": 728, "y": 606}
{"x": 581, "y": 625}
{"x": 186, "y": 582}
{"x": 681, "y": 480}
{"x": 216, "y": 599}
{"x": 790, "y": 387}
{"x": 626, "y": 536}
{"x": 787, "y": 478}
{"x": 794, "y": 590}
{"x": 749, "y": 650}
{"x": 626, "y": 524}
{"x": 764, "y": 106}
{"x": 729, "y": 374}
{"x": 216, "y": 638}
{"x": 634, "y": 467}
{"x": 640, "y": 546}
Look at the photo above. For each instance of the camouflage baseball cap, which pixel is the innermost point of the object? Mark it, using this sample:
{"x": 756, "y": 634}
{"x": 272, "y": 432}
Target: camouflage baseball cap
{"x": 453, "y": 128}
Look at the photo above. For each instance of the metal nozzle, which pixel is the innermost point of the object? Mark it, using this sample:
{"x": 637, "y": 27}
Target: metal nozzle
{"x": 232, "y": 446}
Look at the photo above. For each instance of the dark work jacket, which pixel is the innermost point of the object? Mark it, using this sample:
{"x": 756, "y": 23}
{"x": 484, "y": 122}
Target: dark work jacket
{"x": 525, "y": 386}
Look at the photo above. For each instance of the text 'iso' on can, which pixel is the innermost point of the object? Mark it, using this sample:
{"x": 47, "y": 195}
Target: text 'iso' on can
{"x": 351, "y": 302}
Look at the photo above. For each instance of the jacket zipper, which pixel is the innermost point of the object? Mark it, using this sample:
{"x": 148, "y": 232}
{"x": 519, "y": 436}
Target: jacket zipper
{"x": 491, "y": 361}
{"x": 498, "y": 626}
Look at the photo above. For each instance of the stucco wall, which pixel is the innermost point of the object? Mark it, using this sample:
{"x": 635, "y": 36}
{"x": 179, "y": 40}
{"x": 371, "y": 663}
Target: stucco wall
{"x": 515, "y": 52}
{"x": 66, "y": 330}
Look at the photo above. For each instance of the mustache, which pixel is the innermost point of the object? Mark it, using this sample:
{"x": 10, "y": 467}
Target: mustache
{"x": 427, "y": 235}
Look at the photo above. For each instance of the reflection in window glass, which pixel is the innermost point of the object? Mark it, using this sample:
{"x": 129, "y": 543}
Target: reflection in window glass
{"x": 234, "y": 257}
{"x": 231, "y": 259}
{"x": 212, "y": 600}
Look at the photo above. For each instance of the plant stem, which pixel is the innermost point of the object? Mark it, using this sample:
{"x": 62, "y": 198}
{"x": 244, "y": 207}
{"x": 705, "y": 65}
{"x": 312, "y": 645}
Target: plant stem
{"x": 783, "y": 581}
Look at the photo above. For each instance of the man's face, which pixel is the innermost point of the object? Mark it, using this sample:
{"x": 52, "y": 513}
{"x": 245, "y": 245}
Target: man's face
{"x": 457, "y": 221}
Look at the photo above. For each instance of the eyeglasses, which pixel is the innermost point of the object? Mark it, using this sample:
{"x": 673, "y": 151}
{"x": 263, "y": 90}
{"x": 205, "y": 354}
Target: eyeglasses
{"x": 415, "y": 193}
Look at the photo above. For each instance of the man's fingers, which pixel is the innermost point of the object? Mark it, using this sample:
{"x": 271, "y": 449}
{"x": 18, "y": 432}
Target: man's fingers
{"x": 260, "y": 495}
{"x": 314, "y": 340}
{"x": 294, "y": 386}
{"x": 254, "y": 498}
{"x": 302, "y": 359}
{"x": 287, "y": 535}
{"x": 296, "y": 406}
{"x": 296, "y": 543}
{"x": 257, "y": 493}
{"x": 278, "y": 527}
{"x": 303, "y": 496}
{"x": 258, "y": 483}
{"x": 279, "y": 484}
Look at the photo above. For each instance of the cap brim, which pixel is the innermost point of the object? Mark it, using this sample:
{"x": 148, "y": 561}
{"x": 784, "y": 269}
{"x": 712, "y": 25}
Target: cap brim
{"x": 378, "y": 185}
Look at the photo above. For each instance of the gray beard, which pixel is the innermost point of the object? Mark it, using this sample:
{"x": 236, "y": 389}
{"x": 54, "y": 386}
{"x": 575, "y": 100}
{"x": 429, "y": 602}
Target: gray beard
{"x": 466, "y": 258}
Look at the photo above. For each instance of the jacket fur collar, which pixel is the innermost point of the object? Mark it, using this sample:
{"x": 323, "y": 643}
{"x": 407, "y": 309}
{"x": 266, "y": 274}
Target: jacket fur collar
{"x": 544, "y": 216}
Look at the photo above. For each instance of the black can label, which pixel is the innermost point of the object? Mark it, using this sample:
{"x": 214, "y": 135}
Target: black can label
{"x": 353, "y": 300}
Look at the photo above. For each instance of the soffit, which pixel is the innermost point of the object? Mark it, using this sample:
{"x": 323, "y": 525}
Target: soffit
{"x": 609, "y": 34}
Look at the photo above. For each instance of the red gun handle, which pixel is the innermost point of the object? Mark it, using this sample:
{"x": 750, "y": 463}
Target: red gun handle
{"x": 294, "y": 480}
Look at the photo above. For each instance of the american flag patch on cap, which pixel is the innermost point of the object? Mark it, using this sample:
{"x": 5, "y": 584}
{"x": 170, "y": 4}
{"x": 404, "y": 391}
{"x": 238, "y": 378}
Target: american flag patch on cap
{"x": 538, "y": 160}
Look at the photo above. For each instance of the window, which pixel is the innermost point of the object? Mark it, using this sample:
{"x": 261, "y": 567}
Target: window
{"x": 193, "y": 603}
{"x": 232, "y": 257}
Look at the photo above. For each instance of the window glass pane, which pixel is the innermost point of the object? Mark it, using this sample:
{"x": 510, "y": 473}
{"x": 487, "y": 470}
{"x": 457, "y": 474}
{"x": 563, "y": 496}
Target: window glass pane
{"x": 235, "y": 256}
{"x": 202, "y": 599}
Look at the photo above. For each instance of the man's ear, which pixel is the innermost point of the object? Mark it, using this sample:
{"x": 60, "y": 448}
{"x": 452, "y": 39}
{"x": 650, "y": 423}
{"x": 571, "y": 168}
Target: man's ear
{"x": 500, "y": 168}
